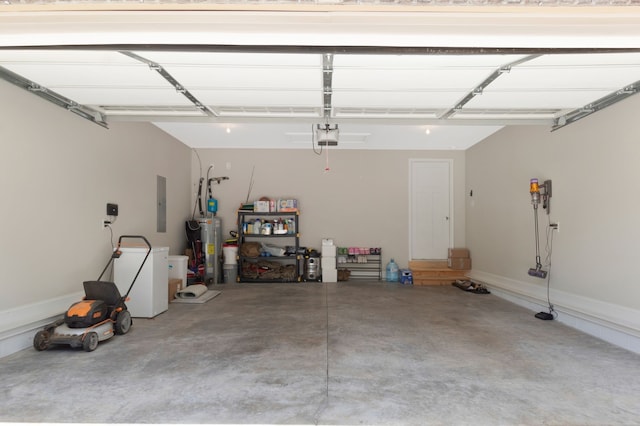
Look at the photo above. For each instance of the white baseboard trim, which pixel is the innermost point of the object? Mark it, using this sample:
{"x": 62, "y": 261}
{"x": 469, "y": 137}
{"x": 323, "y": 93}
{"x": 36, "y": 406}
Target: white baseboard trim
{"x": 19, "y": 325}
{"x": 612, "y": 323}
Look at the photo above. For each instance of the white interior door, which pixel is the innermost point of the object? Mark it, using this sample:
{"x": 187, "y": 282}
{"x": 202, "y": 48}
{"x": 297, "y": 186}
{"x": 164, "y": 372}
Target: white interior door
{"x": 430, "y": 221}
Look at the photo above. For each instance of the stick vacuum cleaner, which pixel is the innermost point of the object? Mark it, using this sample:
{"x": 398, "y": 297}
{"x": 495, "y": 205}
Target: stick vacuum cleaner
{"x": 536, "y": 195}
{"x": 534, "y": 189}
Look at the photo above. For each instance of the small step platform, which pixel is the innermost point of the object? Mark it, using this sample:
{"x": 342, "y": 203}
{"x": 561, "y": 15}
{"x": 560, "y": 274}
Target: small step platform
{"x": 434, "y": 272}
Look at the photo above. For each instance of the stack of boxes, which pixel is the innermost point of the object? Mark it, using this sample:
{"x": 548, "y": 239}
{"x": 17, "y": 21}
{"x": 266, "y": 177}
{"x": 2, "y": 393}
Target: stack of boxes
{"x": 329, "y": 269}
{"x": 459, "y": 259}
{"x": 281, "y": 205}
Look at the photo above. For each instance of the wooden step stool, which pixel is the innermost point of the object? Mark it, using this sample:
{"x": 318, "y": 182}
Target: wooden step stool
{"x": 434, "y": 272}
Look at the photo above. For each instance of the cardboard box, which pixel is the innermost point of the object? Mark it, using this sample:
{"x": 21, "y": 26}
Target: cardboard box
{"x": 329, "y": 275}
{"x": 344, "y": 274}
{"x": 458, "y": 252}
{"x": 287, "y": 205}
{"x": 261, "y": 206}
{"x": 175, "y": 285}
{"x": 459, "y": 263}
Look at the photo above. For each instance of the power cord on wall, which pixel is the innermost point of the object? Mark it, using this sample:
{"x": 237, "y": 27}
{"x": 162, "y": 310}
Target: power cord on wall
{"x": 113, "y": 246}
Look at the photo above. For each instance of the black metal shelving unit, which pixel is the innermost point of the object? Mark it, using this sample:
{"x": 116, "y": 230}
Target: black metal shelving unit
{"x": 264, "y": 269}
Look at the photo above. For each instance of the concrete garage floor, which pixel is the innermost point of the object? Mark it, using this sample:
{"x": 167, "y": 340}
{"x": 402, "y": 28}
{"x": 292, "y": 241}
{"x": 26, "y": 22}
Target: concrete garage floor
{"x": 347, "y": 353}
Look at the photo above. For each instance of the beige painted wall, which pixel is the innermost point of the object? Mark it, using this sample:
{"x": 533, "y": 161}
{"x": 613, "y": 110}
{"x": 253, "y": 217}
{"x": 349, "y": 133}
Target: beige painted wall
{"x": 362, "y": 201}
{"x": 57, "y": 173}
{"x": 594, "y": 167}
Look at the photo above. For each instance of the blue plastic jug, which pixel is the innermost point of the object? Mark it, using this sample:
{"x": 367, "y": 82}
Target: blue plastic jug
{"x": 392, "y": 271}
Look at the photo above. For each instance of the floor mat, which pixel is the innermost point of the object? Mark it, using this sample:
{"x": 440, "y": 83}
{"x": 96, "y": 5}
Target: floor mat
{"x": 204, "y": 297}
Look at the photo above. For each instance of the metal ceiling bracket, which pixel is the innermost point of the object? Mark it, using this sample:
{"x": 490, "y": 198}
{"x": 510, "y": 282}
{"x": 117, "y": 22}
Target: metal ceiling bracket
{"x": 171, "y": 80}
{"x": 327, "y": 84}
{"x": 53, "y": 97}
{"x": 480, "y": 88}
{"x": 600, "y": 104}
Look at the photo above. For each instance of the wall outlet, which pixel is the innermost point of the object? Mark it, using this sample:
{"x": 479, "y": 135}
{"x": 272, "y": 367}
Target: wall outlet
{"x": 104, "y": 223}
{"x": 555, "y": 226}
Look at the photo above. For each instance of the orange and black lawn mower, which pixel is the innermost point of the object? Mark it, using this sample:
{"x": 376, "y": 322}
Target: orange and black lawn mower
{"x": 101, "y": 314}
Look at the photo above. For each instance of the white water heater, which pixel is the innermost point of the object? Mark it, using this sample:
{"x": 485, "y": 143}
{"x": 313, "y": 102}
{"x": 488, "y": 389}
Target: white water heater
{"x": 211, "y": 237}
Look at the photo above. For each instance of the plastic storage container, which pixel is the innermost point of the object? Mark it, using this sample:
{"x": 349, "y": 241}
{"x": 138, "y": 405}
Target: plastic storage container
{"x": 230, "y": 273}
{"x": 148, "y": 296}
{"x": 230, "y": 253}
{"x": 178, "y": 268}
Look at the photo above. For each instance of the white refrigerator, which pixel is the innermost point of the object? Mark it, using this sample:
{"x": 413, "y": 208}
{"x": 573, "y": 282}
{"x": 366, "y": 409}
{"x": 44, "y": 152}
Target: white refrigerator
{"x": 149, "y": 295}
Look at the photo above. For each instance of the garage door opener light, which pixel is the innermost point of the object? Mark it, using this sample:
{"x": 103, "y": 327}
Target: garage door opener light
{"x": 327, "y": 135}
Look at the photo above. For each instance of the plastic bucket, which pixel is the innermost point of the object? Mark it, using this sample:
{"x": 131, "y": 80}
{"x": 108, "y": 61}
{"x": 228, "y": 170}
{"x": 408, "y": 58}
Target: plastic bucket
{"x": 230, "y": 273}
{"x": 230, "y": 253}
{"x": 178, "y": 268}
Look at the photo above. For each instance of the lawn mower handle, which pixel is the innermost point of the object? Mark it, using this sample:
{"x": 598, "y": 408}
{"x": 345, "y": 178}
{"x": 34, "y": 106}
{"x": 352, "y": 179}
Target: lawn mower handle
{"x": 141, "y": 265}
{"x": 134, "y": 236}
{"x": 116, "y": 254}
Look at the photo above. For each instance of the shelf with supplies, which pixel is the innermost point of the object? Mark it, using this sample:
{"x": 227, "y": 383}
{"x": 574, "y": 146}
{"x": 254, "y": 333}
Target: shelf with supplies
{"x": 362, "y": 263}
{"x": 269, "y": 247}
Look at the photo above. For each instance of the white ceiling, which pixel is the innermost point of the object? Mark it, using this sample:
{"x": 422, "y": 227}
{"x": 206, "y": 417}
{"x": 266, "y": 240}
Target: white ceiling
{"x": 269, "y": 94}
